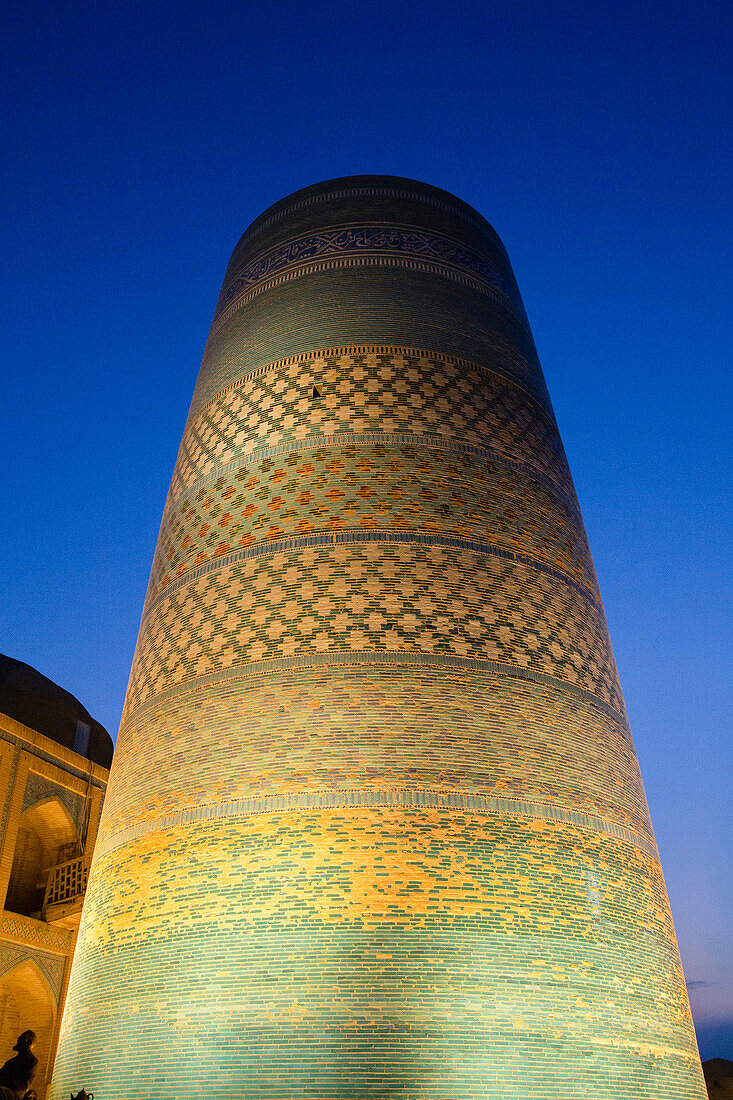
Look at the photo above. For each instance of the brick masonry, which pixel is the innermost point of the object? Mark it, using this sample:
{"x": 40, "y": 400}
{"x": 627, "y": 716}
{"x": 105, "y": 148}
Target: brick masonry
{"x": 375, "y": 825}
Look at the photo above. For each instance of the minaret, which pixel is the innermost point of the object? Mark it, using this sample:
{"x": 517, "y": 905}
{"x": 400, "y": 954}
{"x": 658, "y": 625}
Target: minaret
{"x": 375, "y": 825}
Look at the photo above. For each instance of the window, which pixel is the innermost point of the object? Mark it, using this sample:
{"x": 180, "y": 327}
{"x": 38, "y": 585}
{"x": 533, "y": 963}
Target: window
{"x": 81, "y": 737}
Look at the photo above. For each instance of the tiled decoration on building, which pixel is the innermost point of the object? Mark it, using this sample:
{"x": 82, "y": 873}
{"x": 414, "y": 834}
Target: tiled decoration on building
{"x": 14, "y": 926}
{"x": 370, "y": 243}
{"x": 292, "y": 320}
{"x": 372, "y": 596}
{"x": 381, "y": 953}
{"x": 38, "y": 788}
{"x": 430, "y": 397}
{"x": 10, "y": 955}
{"x": 380, "y": 730}
{"x": 375, "y": 826}
{"x": 52, "y": 967}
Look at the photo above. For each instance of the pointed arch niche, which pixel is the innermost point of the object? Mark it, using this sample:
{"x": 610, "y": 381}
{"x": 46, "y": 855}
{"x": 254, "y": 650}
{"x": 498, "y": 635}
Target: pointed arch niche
{"x": 26, "y": 1001}
{"x": 47, "y": 835}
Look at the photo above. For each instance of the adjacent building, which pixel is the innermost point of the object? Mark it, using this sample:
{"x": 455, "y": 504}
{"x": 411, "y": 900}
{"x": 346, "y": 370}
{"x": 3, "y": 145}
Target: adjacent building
{"x": 54, "y": 765}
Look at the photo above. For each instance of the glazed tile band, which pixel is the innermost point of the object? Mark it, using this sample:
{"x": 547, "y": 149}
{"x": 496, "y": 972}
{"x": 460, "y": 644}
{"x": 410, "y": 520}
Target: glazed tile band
{"x": 303, "y": 358}
{"x": 271, "y": 547}
{"x": 303, "y": 802}
{"x": 287, "y": 209}
{"x": 366, "y": 244}
{"x": 369, "y": 439}
{"x": 348, "y": 657}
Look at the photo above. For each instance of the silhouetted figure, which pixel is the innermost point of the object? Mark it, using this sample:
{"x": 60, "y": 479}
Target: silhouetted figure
{"x": 18, "y": 1072}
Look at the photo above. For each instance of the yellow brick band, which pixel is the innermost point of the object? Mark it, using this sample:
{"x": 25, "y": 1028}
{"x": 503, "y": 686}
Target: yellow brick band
{"x": 425, "y": 442}
{"x": 394, "y": 799}
{"x": 420, "y": 491}
{"x": 374, "y": 718}
{"x": 400, "y": 598}
{"x": 341, "y": 658}
{"x": 368, "y": 962}
{"x": 156, "y": 593}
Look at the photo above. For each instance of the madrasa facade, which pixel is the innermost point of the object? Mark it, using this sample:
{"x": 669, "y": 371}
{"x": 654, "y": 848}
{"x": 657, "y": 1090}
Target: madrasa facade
{"x": 54, "y": 767}
{"x": 375, "y": 825}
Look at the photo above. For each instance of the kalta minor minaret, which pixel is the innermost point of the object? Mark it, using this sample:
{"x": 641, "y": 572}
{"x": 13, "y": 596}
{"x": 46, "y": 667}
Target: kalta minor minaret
{"x": 375, "y": 826}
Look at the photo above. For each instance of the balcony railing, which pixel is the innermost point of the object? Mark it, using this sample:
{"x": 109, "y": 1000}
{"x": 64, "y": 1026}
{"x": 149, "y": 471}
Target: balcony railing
{"x": 67, "y": 883}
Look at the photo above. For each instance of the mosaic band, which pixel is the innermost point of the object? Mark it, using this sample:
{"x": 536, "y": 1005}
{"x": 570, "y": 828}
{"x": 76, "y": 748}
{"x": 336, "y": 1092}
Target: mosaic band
{"x": 367, "y": 244}
{"x": 331, "y": 538}
{"x": 417, "y": 799}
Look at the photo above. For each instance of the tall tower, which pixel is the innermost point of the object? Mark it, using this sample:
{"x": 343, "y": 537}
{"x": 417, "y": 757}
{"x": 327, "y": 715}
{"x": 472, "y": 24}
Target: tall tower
{"x": 375, "y": 825}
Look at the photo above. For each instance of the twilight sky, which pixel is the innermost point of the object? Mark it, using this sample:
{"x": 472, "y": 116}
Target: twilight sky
{"x": 140, "y": 141}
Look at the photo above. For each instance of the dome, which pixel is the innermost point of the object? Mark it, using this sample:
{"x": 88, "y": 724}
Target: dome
{"x": 31, "y": 698}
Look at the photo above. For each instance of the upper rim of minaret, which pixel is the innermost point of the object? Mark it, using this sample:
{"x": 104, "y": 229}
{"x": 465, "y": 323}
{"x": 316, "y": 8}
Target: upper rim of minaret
{"x": 388, "y": 228}
{"x": 369, "y": 185}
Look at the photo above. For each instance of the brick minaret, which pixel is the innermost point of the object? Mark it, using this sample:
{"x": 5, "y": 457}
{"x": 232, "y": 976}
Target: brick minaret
{"x": 375, "y": 826}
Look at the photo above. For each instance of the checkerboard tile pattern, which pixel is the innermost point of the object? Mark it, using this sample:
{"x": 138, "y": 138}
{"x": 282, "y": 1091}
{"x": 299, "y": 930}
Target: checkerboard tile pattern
{"x": 391, "y": 391}
{"x": 366, "y": 488}
{"x": 373, "y": 597}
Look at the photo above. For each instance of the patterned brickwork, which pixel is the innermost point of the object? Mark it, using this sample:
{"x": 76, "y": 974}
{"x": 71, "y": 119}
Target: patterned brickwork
{"x": 391, "y": 391}
{"x": 386, "y": 954}
{"x": 38, "y": 788}
{"x": 296, "y": 318}
{"x": 51, "y": 966}
{"x": 313, "y": 208}
{"x": 374, "y": 722}
{"x": 375, "y": 826}
{"x": 367, "y": 244}
{"x": 371, "y": 596}
{"x": 261, "y": 503}
{"x": 15, "y": 927}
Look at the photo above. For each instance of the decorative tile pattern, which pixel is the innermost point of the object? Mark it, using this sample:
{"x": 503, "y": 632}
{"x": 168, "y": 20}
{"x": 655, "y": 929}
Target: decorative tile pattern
{"x": 386, "y": 799}
{"x": 38, "y": 789}
{"x": 10, "y": 955}
{"x": 51, "y": 966}
{"x": 13, "y": 926}
{"x": 368, "y": 965}
{"x": 390, "y": 391}
{"x": 375, "y": 722}
{"x": 366, "y": 488}
{"x": 396, "y": 598}
{"x": 376, "y": 244}
{"x": 375, "y": 826}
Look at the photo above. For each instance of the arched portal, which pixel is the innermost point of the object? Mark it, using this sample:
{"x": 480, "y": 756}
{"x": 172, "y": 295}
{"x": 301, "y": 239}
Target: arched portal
{"x": 46, "y": 836}
{"x": 27, "y": 1002}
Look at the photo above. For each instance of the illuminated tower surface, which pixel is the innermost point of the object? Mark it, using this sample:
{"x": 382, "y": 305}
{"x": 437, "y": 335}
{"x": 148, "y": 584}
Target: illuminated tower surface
{"x": 375, "y": 825}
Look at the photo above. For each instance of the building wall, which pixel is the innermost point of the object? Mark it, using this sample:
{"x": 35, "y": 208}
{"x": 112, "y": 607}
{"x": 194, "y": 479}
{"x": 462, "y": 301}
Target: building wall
{"x": 375, "y": 826}
{"x": 51, "y": 799}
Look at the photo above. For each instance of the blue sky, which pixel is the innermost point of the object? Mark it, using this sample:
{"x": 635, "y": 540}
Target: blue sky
{"x": 596, "y": 138}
